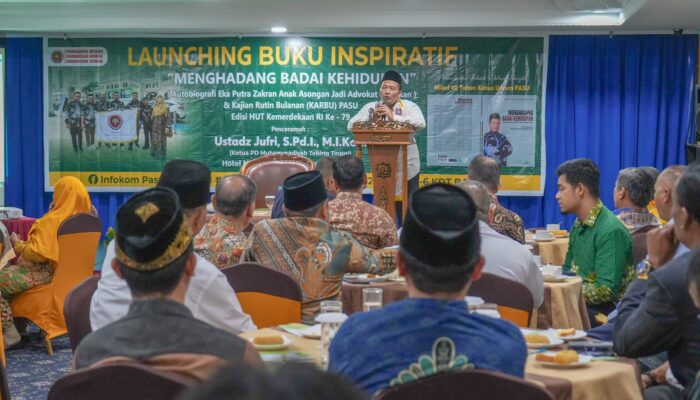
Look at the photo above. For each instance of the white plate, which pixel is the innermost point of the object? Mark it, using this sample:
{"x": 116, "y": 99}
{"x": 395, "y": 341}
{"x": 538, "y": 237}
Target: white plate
{"x": 286, "y": 341}
{"x": 352, "y": 278}
{"x": 554, "y": 341}
{"x": 576, "y": 336}
{"x": 312, "y": 332}
{"x": 474, "y": 301}
{"x": 544, "y": 240}
{"x": 582, "y": 361}
{"x": 554, "y": 278}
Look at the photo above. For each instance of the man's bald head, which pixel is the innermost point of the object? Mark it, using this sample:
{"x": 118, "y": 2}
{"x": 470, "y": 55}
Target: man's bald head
{"x": 234, "y": 194}
{"x": 486, "y": 171}
{"x": 663, "y": 189}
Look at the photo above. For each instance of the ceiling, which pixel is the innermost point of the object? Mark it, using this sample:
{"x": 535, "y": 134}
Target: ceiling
{"x": 344, "y": 17}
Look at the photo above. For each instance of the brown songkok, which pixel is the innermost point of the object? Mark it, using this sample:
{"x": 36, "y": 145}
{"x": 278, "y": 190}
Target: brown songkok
{"x": 151, "y": 230}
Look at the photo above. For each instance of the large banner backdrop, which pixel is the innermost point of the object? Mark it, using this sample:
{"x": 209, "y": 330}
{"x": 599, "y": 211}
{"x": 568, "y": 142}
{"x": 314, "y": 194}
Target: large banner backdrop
{"x": 231, "y": 100}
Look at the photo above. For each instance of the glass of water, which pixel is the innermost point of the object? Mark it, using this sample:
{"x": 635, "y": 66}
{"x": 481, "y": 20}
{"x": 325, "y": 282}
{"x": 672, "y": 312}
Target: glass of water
{"x": 331, "y": 306}
{"x": 330, "y": 323}
{"x": 269, "y": 201}
{"x": 371, "y": 299}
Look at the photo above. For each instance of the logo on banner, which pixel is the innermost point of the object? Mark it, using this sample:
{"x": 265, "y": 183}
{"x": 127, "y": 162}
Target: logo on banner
{"x": 115, "y": 121}
{"x": 57, "y": 56}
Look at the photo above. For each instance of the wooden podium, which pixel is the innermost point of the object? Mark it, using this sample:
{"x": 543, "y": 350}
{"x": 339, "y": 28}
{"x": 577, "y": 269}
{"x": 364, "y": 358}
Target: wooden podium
{"x": 384, "y": 140}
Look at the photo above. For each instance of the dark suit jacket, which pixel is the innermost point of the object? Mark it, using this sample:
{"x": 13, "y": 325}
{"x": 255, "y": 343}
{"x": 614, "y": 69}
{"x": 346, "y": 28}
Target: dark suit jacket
{"x": 664, "y": 320}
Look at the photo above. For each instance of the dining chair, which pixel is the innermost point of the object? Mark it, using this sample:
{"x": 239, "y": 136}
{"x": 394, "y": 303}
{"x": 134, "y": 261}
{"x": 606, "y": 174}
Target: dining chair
{"x": 78, "y": 238}
{"x": 514, "y": 300}
{"x": 269, "y": 171}
{"x": 473, "y": 384}
{"x": 270, "y": 297}
{"x": 118, "y": 381}
{"x": 76, "y": 311}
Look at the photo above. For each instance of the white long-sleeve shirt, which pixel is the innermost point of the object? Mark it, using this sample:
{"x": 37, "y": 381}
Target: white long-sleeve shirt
{"x": 411, "y": 113}
{"x": 511, "y": 260}
{"x": 209, "y": 296}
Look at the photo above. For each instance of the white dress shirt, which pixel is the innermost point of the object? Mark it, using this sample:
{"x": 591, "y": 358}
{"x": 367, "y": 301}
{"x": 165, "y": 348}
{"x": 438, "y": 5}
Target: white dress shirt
{"x": 511, "y": 260}
{"x": 209, "y": 297}
{"x": 411, "y": 113}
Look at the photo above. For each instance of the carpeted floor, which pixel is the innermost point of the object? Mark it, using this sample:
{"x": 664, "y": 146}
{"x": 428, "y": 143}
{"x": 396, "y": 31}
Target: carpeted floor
{"x": 31, "y": 370}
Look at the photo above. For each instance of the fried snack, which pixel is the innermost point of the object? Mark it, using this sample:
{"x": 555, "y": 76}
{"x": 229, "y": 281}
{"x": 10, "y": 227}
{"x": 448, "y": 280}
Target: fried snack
{"x": 566, "y": 357}
{"x": 566, "y": 332}
{"x": 536, "y": 338}
{"x": 268, "y": 339}
{"x": 371, "y": 276}
{"x": 559, "y": 232}
{"x": 546, "y": 357}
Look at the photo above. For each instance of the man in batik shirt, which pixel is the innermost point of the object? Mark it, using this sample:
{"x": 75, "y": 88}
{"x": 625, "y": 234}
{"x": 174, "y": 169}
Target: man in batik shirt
{"x": 600, "y": 247}
{"x": 633, "y": 190}
{"x": 306, "y": 247}
{"x": 369, "y": 224}
{"x": 222, "y": 240}
{"x": 486, "y": 171}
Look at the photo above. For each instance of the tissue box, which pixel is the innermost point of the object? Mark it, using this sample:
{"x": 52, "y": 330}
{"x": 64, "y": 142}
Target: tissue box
{"x": 10, "y": 212}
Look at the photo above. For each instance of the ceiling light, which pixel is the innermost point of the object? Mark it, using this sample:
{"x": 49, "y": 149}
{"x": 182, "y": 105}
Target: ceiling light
{"x": 278, "y": 29}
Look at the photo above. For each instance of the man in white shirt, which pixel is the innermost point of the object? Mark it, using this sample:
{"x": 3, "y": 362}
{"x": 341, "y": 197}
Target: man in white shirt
{"x": 209, "y": 296}
{"x": 393, "y": 108}
{"x": 503, "y": 256}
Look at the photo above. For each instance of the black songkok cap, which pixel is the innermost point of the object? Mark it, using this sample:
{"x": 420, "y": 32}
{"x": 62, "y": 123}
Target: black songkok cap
{"x": 441, "y": 227}
{"x": 189, "y": 179}
{"x": 151, "y": 230}
{"x": 304, "y": 190}
{"x": 393, "y": 76}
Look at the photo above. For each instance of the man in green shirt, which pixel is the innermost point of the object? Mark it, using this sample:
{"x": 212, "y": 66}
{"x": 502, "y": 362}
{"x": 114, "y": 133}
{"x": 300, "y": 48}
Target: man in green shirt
{"x": 600, "y": 247}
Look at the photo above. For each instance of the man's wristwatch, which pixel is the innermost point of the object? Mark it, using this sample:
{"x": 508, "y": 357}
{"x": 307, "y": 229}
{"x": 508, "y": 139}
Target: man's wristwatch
{"x": 643, "y": 268}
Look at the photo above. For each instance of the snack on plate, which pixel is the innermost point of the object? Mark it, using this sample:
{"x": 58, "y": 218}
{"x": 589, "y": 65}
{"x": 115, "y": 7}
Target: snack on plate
{"x": 566, "y": 332}
{"x": 545, "y": 357}
{"x": 566, "y": 357}
{"x": 268, "y": 340}
{"x": 536, "y": 338}
{"x": 559, "y": 232}
{"x": 371, "y": 276}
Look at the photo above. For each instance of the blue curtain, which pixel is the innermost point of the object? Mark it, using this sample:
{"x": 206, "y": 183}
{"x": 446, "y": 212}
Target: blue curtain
{"x": 621, "y": 101}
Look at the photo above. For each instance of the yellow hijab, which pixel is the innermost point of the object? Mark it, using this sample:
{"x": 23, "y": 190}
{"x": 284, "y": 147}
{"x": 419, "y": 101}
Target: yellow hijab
{"x": 159, "y": 109}
{"x": 69, "y": 198}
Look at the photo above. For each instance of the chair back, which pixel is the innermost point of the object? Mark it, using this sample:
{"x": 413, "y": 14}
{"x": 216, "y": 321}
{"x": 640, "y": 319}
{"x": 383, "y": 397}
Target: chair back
{"x": 467, "y": 385}
{"x": 639, "y": 243}
{"x": 124, "y": 380}
{"x": 270, "y": 297}
{"x": 268, "y": 172}
{"x": 76, "y": 311}
{"x": 78, "y": 238}
{"x": 514, "y": 299}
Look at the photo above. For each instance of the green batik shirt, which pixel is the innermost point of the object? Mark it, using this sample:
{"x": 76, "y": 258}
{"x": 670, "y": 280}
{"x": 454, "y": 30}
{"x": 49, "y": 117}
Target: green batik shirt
{"x": 600, "y": 252}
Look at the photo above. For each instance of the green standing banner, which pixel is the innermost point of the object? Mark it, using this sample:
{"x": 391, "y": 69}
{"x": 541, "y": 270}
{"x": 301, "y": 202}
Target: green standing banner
{"x": 224, "y": 101}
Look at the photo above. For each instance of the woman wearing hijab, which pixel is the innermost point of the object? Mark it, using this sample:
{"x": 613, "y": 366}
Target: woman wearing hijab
{"x": 38, "y": 255}
{"x": 160, "y": 123}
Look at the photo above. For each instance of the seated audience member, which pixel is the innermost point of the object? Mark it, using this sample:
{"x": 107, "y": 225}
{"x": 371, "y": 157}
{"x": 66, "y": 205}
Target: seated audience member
{"x": 600, "y": 247}
{"x": 432, "y": 331}
{"x": 324, "y": 165}
{"x": 693, "y": 280}
{"x": 633, "y": 191}
{"x": 291, "y": 381}
{"x": 370, "y": 225}
{"x": 664, "y": 318}
{"x": 155, "y": 258}
{"x": 222, "y": 240}
{"x": 503, "y": 256}
{"x": 209, "y": 296}
{"x": 304, "y": 246}
{"x": 38, "y": 255}
{"x": 485, "y": 170}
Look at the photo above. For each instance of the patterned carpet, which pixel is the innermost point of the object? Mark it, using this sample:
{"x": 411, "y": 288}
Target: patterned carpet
{"x": 31, "y": 371}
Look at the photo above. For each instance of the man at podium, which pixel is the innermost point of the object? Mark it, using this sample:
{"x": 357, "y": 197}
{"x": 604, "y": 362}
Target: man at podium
{"x": 393, "y": 108}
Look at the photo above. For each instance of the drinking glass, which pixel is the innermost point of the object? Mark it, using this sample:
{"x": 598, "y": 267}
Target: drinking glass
{"x": 330, "y": 323}
{"x": 331, "y": 306}
{"x": 269, "y": 201}
{"x": 371, "y": 299}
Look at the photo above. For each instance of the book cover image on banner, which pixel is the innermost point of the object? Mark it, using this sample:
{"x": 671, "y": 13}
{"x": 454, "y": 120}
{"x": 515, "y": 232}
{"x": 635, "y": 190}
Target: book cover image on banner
{"x": 117, "y": 109}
